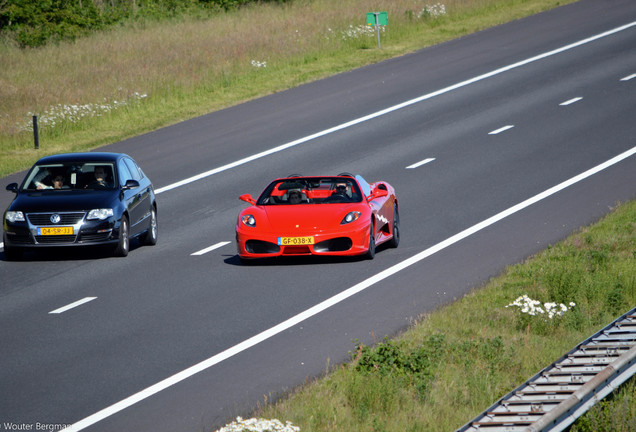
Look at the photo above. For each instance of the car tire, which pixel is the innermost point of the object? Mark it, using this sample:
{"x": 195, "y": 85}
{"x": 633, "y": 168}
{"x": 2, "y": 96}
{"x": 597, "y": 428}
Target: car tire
{"x": 123, "y": 245}
{"x": 12, "y": 253}
{"x": 371, "y": 251}
{"x": 395, "y": 240}
{"x": 150, "y": 237}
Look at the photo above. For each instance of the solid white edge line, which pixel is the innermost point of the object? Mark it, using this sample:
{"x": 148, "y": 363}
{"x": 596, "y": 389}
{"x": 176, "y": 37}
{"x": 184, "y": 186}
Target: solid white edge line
{"x": 420, "y": 163}
{"x": 391, "y": 109}
{"x": 230, "y": 352}
{"x": 500, "y": 130}
{"x": 72, "y": 305}
{"x": 210, "y": 249}
{"x": 571, "y": 101}
{"x": 629, "y": 77}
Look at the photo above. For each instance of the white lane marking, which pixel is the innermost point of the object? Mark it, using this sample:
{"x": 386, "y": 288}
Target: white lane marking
{"x": 500, "y": 130}
{"x": 209, "y": 249}
{"x": 254, "y": 340}
{"x": 393, "y": 108}
{"x": 571, "y": 101}
{"x": 72, "y": 305}
{"x": 627, "y": 78}
{"x": 1, "y": 245}
{"x": 420, "y": 163}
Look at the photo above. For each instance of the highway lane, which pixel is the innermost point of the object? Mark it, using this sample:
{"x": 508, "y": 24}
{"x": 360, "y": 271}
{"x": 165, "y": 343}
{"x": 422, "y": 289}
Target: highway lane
{"x": 162, "y": 310}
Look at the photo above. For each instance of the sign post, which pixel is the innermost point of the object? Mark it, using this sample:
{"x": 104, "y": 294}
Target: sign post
{"x": 377, "y": 19}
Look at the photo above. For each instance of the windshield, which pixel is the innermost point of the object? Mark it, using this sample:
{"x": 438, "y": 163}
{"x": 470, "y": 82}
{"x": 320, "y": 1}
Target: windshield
{"x": 311, "y": 190}
{"x": 71, "y": 175}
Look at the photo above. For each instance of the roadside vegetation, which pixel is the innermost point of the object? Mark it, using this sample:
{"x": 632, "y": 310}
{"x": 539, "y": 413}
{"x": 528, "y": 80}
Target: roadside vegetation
{"x": 457, "y": 361}
{"x": 108, "y": 82}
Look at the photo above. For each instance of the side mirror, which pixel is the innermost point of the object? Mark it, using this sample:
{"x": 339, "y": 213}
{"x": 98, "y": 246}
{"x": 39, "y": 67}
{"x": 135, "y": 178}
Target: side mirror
{"x": 377, "y": 193}
{"x": 12, "y": 187}
{"x": 130, "y": 184}
{"x": 248, "y": 198}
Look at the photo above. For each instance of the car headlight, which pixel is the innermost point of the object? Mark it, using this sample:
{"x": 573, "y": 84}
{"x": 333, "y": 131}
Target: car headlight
{"x": 15, "y": 216}
{"x": 100, "y": 214}
{"x": 350, "y": 217}
{"x": 248, "y": 220}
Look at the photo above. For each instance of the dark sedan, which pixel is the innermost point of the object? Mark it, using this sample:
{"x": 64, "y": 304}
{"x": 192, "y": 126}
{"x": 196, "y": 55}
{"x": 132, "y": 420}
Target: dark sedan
{"x": 81, "y": 199}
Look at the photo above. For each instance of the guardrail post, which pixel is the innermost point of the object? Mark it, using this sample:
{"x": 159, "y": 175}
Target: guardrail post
{"x": 36, "y": 135}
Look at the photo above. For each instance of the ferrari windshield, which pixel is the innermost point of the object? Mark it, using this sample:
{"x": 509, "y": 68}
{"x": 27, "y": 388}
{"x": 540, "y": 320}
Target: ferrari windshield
{"x": 72, "y": 175}
{"x": 311, "y": 190}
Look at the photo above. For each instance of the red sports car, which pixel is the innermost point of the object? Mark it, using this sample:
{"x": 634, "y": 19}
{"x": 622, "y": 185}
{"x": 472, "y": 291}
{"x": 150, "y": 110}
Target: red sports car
{"x": 332, "y": 215}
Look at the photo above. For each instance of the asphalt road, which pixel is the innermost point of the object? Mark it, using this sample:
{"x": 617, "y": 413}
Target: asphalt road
{"x": 528, "y": 133}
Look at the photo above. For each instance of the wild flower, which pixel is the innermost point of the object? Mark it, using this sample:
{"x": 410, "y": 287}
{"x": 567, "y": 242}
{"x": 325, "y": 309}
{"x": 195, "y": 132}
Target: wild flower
{"x": 259, "y": 64}
{"x": 258, "y": 425}
{"x": 535, "y": 308}
{"x": 432, "y": 11}
{"x": 359, "y": 31}
{"x": 60, "y": 113}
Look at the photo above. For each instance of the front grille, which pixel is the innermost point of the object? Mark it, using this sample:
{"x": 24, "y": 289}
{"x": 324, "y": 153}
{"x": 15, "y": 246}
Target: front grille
{"x": 55, "y": 239}
{"x": 44, "y": 219}
{"x": 261, "y": 247}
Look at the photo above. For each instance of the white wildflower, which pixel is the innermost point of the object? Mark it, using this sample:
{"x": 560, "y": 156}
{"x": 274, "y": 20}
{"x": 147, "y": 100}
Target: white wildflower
{"x": 534, "y": 307}
{"x": 258, "y": 425}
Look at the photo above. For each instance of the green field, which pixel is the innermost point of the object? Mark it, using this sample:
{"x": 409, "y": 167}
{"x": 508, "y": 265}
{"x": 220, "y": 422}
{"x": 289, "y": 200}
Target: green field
{"x": 144, "y": 75}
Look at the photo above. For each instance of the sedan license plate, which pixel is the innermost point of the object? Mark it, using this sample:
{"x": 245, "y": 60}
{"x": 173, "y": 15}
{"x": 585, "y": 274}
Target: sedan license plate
{"x": 58, "y": 230}
{"x": 295, "y": 241}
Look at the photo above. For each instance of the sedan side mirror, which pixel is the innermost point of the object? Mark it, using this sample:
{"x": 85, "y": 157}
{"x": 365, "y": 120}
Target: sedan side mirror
{"x": 130, "y": 184}
{"x": 12, "y": 187}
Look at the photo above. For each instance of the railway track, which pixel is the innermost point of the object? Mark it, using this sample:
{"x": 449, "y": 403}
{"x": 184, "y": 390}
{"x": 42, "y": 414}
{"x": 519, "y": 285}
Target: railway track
{"x": 556, "y": 396}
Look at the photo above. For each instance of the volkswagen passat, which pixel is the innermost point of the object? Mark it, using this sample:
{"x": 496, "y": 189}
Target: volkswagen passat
{"x": 81, "y": 199}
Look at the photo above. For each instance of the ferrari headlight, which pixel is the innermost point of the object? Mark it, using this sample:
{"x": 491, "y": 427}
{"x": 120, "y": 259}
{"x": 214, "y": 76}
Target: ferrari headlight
{"x": 350, "y": 217}
{"x": 100, "y": 214}
{"x": 15, "y": 216}
{"x": 248, "y": 220}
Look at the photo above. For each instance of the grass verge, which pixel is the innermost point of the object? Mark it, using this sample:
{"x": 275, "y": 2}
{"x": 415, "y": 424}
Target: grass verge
{"x": 458, "y": 360}
{"x": 143, "y": 76}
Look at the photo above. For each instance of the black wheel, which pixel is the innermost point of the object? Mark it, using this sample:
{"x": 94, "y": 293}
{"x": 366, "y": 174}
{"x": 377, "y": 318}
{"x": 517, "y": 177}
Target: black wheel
{"x": 12, "y": 253}
{"x": 150, "y": 237}
{"x": 123, "y": 246}
{"x": 395, "y": 240}
{"x": 371, "y": 251}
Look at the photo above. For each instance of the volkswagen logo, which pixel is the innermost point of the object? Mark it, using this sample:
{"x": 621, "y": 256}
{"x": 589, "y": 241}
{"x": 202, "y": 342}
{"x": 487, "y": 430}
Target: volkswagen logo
{"x": 55, "y": 218}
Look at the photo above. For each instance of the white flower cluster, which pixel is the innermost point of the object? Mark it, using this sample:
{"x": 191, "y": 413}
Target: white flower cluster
{"x": 75, "y": 113}
{"x": 432, "y": 11}
{"x": 258, "y": 425}
{"x": 259, "y": 64}
{"x": 360, "y": 31}
{"x": 534, "y": 307}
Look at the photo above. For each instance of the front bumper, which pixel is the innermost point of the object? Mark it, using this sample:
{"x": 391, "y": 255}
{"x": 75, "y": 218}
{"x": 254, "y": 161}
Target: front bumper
{"x": 72, "y": 230}
{"x": 252, "y": 244}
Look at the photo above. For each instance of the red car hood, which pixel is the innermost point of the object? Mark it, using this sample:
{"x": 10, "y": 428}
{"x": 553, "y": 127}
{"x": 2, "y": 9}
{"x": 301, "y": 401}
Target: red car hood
{"x": 287, "y": 218}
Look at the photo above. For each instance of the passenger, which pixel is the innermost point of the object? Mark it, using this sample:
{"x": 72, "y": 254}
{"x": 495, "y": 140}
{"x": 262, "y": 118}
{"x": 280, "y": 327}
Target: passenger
{"x": 294, "y": 197}
{"x": 58, "y": 182}
{"x": 100, "y": 181}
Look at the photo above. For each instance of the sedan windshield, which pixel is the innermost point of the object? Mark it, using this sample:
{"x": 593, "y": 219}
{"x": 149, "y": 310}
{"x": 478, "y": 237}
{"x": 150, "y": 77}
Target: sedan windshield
{"x": 311, "y": 190}
{"x": 75, "y": 175}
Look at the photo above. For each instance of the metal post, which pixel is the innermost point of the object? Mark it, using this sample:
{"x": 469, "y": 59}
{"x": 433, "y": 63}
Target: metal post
{"x": 377, "y": 26}
{"x": 36, "y": 137}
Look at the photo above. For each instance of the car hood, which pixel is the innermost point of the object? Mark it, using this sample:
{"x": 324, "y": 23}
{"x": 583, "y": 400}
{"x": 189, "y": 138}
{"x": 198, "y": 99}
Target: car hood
{"x": 66, "y": 200}
{"x": 307, "y": 216}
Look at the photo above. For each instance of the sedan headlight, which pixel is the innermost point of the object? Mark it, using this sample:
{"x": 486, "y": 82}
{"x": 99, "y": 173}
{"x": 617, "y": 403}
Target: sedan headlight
{"x": 248, "y": 220}
{"x": 100, "y": 214}
{"x": 15, "y": 216}
{"x": 350, "y": 217}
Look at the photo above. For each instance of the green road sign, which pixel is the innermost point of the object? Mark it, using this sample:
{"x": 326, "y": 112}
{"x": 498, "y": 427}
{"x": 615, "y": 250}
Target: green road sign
{"x": 383, "y": 18}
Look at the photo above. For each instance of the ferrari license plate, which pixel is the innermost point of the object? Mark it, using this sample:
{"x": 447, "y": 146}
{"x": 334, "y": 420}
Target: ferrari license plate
{"x": 295, "y": 241}
{"x": 58, "y": 230}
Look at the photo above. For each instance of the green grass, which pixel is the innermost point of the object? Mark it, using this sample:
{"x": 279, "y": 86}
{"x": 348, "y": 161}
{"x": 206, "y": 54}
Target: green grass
{"x": 458, "y": 360}
{"x": 160, "y": 73}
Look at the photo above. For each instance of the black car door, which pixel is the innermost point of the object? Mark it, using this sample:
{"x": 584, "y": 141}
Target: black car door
{"x": 142, "y": 195}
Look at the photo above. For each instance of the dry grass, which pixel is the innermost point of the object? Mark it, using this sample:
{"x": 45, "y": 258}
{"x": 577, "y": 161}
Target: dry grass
{"x": 173, "y": 70}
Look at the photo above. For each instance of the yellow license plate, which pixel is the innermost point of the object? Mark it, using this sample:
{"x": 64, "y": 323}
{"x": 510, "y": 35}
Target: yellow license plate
{"x": 295, "y": 241}
{"x": 61, "y": 230}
